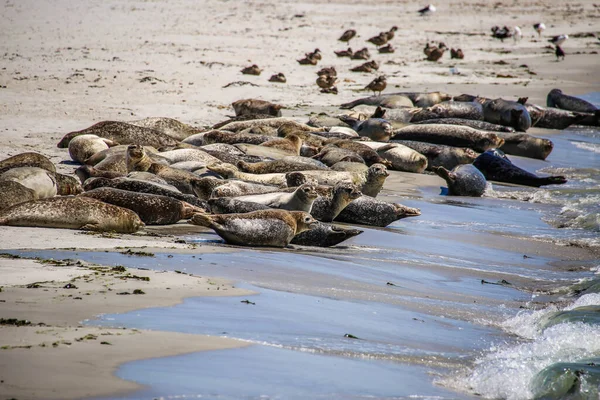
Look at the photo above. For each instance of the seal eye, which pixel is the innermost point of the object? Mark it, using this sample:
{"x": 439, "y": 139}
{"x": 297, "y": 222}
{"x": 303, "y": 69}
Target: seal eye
{"x": 307, "y": 220}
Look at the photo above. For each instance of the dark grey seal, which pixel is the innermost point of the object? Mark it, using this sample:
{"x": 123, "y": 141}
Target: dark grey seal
{"x": 524, "y": 145}
{"x": 464, "y": 180}
{"x": 325, "y": 235}
{"x": 327, "y": 208}
{"x": 508, "y": 113}
{"x": 557, "y": 99}
{"x": 369, "y": 211}
{"x": 450, "y": 109}
{"x": 495, "y": 166}
{"x": 450, "y": 135}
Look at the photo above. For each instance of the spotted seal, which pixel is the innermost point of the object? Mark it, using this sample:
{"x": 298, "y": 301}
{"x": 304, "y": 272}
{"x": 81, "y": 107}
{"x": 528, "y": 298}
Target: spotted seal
{"x": 134, "y": 185}
{"x": 377, "y": 129}
{"x": 557, "y": 99}
{"x": 232, "y": 205}
{"x": 471, "y": 123}
{"x": 182, "y": 180}
{"x": 255, "y": 106}
{"x": 331, "y": 155}
{"x": 83, "y": 147}
{"x": 555, "y": 118}
{"x": 450, "y": 109}
{"x": 85, "y": 172}
{"x": 325, "y": 235}
{"x": 12, "y": 193}
{"x": 274, "y": 228}
{"x": 524, "y": 145}
{"x": 368, "y": 154}
{"x": 290, "y": 144}
{"x": 369, "y": 211}
{"x": 136, "y": 158}
{"x": 495, "y": 166}
{"x": 386, "y": 100}
{"x": 229, "y": 171}
{"x": 28, "y": 159}
{"x": 180, "y": 155}
{"x": 72, "y": 213}
{"x": 168, "y": 126}
{"x": 67, "y": 185}
{"x": 463, "y": 180}
{"x": 301, "y": 199}
{"x": 439, "y": 155}
{"x": 286, "y": 164}
{"x": 326, "y": 208}
{"x": 41, "y": 181}
{"x": 233, "y": 138}
{"x": 401, "y": 158}
{"x": 151, "y": 208}
{"x": 236, "y": 188}
{"x": 450, "y": 135}
{"x": 124, "y": 133}
{"x": 237, "y": 126}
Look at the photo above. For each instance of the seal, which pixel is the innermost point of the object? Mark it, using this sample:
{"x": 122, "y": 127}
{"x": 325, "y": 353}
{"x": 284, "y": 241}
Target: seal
{"x": 12, "y": 193}
{"x": 450, "y": 109}
{"x": 230, "y": 171}
{"x": 151, "y": 208}
{"x": 204, "y": 187}
{"x": 72, "y": 213}
{"x": 326, "y": 208}
{"x": 508, "y": 113}
{"x": 369, "y": 211}
{"x": 557, "y": 99}
{"x": 85, "y": 172}
{"x": 179, "y": 178}
{"x": 400, "y": 157}
{"x": 331, "y": 155}
{"x": 524, "y": 145}
{"x": 386, "y": 100}
{"x": 124, "y": 133}
{"x": 464, "y": 180}
{"x": 325, "y": 235}
{"x": 274, "y": 228}
{"x": 168, "y": 126}
{"x": 255, "y": 106}
{"x": 149, "y": 177}
{"x": 481, "y": 125}
{"x": 67, "y": 185}
{"x": 495, "y": 166}
{"x": 116, "y": 162}
{"x": 301, "y": 199}
{"x": 231, "y": 205}
{"x": 83, "y": 147}
{"x": 450, "y": 135}
{"x": 290, "y": 144}
{"x": 555, "y": 118}
{"x": 215, "y": 136}
{"x": 368, "y": 154}
{"x": 286, "y": 164}
{"x": 237, "y": 126}
{"x": 439, "y": 155}
{"x": 136, "y": 158}
{"x": 375, "y": 179}
{"x": 28, "y": 159}
{"x": 349, "y": 166}
{"x": 377, "y": 129}
{"x": 41, "y": 181}
{"x": 134, "y": 185}
{"x": 180, "y": 155}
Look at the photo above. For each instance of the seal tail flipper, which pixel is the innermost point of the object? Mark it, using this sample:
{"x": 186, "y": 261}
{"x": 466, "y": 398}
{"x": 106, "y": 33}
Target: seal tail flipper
{"x": 404, "y": 211}
{"x": 202, "y": 219}
{"x": 379, "y": 113}
{"x": 189, "y": 210}
{"x": 353, "y": 122}
{"x": 553, "y": 180}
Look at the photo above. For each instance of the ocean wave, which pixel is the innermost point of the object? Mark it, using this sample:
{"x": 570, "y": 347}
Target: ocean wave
{"x": 587, "y": 146}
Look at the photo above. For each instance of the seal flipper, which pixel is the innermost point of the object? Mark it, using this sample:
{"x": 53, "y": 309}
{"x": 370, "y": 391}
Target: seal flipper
{"x": 553, "y": 180}
{"x": 379, "y": 112}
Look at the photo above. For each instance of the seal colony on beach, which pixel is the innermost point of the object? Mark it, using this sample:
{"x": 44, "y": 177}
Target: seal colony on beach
{"x": 262, "y": 179}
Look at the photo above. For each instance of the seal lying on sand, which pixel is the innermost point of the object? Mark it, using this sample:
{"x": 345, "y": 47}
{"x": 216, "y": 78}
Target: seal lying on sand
{"x": 255, "y": 106}
{"x": 369, "y": 211}
{"x": 274, "y": 228}
{"x": 123, "y": 133}
{"x": 83, "y": 147}
{"x": 151, "y": 208}
{"x": 450, "y": 135}
{"x": 326, "y": 208}
{"x": 301, "y": 199}
{"x": 557, "y": 99}
{"x": 41, "y": 181}
{"x": 471, "y": 123}
{"x": 464, "y": 180}
{"x": 439, "y": 155}
{"x": 450, "y": 109}
{"x": 495, "y": 166}
{"x": 377, "y": 129}
{"x": 286, "y": 164}
{"x": 401, "y": 158}
{"x": 12, "y": 193}
{"x": 85, "y": 172}
{"x": 331, "y": 155}
{"x": 325, "y": 235}
{"x": 72, "y": 213}
{"x": 28, "y": 159}
{"x": 168, "y": 126}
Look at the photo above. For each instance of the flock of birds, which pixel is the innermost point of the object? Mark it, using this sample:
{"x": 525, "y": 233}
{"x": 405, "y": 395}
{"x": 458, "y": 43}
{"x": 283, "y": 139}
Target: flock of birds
{"x": 505, "y": 32}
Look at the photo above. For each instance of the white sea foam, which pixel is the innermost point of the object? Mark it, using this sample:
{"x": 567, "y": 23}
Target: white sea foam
{"x": 588, "y": 146}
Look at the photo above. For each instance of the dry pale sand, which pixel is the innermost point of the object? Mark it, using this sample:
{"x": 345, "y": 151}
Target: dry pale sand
{"x": 68, "y": 64}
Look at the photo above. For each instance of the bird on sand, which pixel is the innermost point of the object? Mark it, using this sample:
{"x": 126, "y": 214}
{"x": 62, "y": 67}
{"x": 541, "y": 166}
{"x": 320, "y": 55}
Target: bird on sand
{"x": 558, "y": 40}
{"x": 280, "y": 77}
{"x": 458, "y": 54}
{"x": 539, "y": 28}
{"x": 377, "y": 85}
{"x": 347, "y": 36}
{"x": 252, "y": 70}
{"x": 362, "y": 54}
{"x": 379, "y": 40}
{"x": 559, "y": 53}
{"x": 386, "y": 49}
{"x": 434, "y": 53}
{"x": 369, "y": 66}
{"x": 425, "y": 11}
{"x": 344, "y": 53}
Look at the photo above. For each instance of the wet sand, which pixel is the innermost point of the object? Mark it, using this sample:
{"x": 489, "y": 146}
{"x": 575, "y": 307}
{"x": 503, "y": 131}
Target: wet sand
{"x": 68, "y": 65}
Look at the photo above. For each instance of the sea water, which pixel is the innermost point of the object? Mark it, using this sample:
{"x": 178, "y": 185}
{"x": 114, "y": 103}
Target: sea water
{"x": 451, "y": 304}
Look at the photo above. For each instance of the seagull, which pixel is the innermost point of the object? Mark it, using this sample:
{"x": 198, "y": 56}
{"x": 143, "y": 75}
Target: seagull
{"x": 517, "y": 34}
{"x": 430, "y": 9}
{"x": 559, "y": 53}
{"x": 539, "y": 28}
{"x": 558, "y": 40}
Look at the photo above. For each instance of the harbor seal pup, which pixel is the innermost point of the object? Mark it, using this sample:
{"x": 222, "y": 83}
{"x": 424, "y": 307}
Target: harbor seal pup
{"x": 369, "y": 211}
{"x": 325, "y": 235}
{"x": 401, "y": 158}
{"x": 450, "y": 109}
{"x": 495, "y": 166}
{"x": 124, "y": 133}
{"x": 450, "y": 135}
{"x": 72, "y": 213}
{"x": 85, "y": 172}
{"x": 28, "y": 159}
{"x": 151, "y": 208}
{"x": 326, "y": 208}
{"x": 375, "y": 179}
{"x": 508, "y": 113}
{"x": 273, "y": 228}
{"x": 41, "y": 181}
{"x": 168, "y": 126}
{"x": 281, "y": 166}
{"x": 464, "y": 180}
{"x": 255, "y": 106}
{"x": 439, "y": 155}
{"x": 524, "y": 145}
{"x": 134, "y": 185}
{"x": 377, "y": 129}
{"x": 83, "y": 147}
{"x": 116, "y": 162}
{"x": 12, "y": 193}
{"x": 301, "y": 199}
{"x": 481, "y": 125}
{"x": 557, "y": 99}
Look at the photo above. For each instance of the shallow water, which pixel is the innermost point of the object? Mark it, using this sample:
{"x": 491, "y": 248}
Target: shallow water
{"x": 446, "y": 305}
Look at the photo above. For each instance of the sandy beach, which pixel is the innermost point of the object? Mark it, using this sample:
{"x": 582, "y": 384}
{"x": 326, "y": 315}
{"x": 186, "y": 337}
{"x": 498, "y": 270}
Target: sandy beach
{"x": 67, "y": 65}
